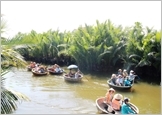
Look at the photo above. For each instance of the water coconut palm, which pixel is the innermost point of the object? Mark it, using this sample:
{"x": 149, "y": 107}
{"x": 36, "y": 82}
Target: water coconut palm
{"x": 9, "y": 58}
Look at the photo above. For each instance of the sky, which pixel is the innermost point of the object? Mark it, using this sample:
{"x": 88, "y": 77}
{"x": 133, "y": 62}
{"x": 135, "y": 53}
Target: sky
{"x": 41, "y": 16}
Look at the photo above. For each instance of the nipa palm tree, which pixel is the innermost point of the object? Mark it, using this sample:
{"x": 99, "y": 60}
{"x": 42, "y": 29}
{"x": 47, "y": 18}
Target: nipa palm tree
{"x": 9, "y": 58}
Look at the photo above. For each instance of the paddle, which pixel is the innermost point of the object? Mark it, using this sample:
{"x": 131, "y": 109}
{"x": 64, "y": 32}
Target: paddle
{"x": 108, "y": 108}
{"x": 83, "y": 74}
{"x": 132, "y": 108}
{"x": 80, "y": 71}
{"x": 64, "y": 71}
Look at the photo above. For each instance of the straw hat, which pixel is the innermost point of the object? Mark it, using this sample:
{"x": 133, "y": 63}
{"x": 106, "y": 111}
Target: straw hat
{"x": 118, "y": 96}
{"x": 111, "y": 89}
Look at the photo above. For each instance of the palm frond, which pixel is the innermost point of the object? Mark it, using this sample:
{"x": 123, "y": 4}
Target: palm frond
{"x": 143, "y": 63}
{"x": 134, "y": 56}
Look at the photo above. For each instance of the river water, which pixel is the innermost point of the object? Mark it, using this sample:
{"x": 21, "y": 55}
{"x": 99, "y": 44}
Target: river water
{"x": 52, "y": 95}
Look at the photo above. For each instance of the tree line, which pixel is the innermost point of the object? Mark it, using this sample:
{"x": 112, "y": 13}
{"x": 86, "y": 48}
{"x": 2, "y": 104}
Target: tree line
{"x": 103, "y": 47}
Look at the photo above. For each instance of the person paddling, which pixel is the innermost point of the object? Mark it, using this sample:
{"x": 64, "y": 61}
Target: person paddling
{"x": 108, "y": 100}
{"x": 109, "y": 96}
{"x": 126, "y": 109}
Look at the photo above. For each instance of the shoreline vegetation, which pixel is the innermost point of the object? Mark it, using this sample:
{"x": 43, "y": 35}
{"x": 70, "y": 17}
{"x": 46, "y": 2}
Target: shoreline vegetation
{"x": 100, "y": 48}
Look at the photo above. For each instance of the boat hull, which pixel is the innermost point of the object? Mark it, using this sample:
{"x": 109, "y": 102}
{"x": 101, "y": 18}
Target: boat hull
{"x": 38, "y": 74}
{"x": 101, "y": 107}
{"x": 118, "y": 87}
{"x": 73, "y": 79}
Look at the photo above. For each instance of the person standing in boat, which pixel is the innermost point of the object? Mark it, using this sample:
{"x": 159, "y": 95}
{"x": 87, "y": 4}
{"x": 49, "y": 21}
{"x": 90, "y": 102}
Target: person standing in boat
{"x": 131, "y": 76}
{"x": 126, "y": 109}
{"x": 109, "y": 96}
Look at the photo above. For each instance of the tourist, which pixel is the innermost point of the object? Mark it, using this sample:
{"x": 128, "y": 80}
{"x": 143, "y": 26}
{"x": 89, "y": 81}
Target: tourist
{"x": 117, "y": 101}
{"x": 125, "y": 74}
{"x": 77, "y": 74}
{"x": 109, "y": 96}
{"x": 113, "y": 79}
{"x": 70, "y": 73}
{"x": 127, "y": 81}
{"x": 126, "y": 109}
{"x": 120, "y": 72}
{"x": 131, "y": 76}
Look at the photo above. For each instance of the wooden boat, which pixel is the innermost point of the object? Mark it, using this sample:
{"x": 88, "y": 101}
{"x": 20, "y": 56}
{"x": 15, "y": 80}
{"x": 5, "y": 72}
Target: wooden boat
{"x": 39, "y": 74}
{"x": 116, "y": 87}
{"x": 72, "y": 79}
{"x": 102, "y": 107}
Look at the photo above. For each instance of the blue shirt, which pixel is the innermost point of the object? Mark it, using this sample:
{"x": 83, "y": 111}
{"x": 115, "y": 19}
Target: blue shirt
{"x": 127, "y": 82}
{"x": 125, "y": 109}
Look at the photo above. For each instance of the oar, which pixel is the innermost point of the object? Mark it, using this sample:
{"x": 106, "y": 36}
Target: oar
{"x": 132, "y": 108}
{"x": 83, "y": 74}
{"x": 64, "y": 71}
{"x": 80, "y": 71}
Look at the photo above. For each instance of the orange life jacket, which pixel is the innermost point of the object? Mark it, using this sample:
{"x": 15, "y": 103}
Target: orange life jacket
{"x": 116, "y": 104}
{"x": 108, "y": 97}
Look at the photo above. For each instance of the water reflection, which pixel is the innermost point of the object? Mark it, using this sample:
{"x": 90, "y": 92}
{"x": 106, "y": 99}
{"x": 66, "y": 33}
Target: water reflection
{"x": 52, "y": 95}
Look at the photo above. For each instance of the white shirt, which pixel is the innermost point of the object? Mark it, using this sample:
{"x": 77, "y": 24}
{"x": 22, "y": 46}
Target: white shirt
{"x": 57, "y": 69}
{"x": 121, "y": 80}
{"x": 131, "y": 76}
{"x": 76, "y": 75}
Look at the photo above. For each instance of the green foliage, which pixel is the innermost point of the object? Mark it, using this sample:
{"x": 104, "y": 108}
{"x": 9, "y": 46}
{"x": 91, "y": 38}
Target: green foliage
{"x": 9, "y": 58}
{"x": 90, "y": 46}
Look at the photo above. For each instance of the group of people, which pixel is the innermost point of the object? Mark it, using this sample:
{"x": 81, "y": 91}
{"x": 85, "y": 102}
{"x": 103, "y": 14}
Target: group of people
{"x": 122, "y": 78}
{"x": 115, "y": 102}
{"x": 32, "y": 64}
{"x": 55, "y": 68}
{"x": 74, "y": 74}
{"x": 38, "y": 67}
{"x": 41, "y": 69}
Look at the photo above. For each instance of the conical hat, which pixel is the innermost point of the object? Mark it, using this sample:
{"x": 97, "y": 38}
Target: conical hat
{"x": 118, "y": 96}
{"x": 111, "y": 89}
